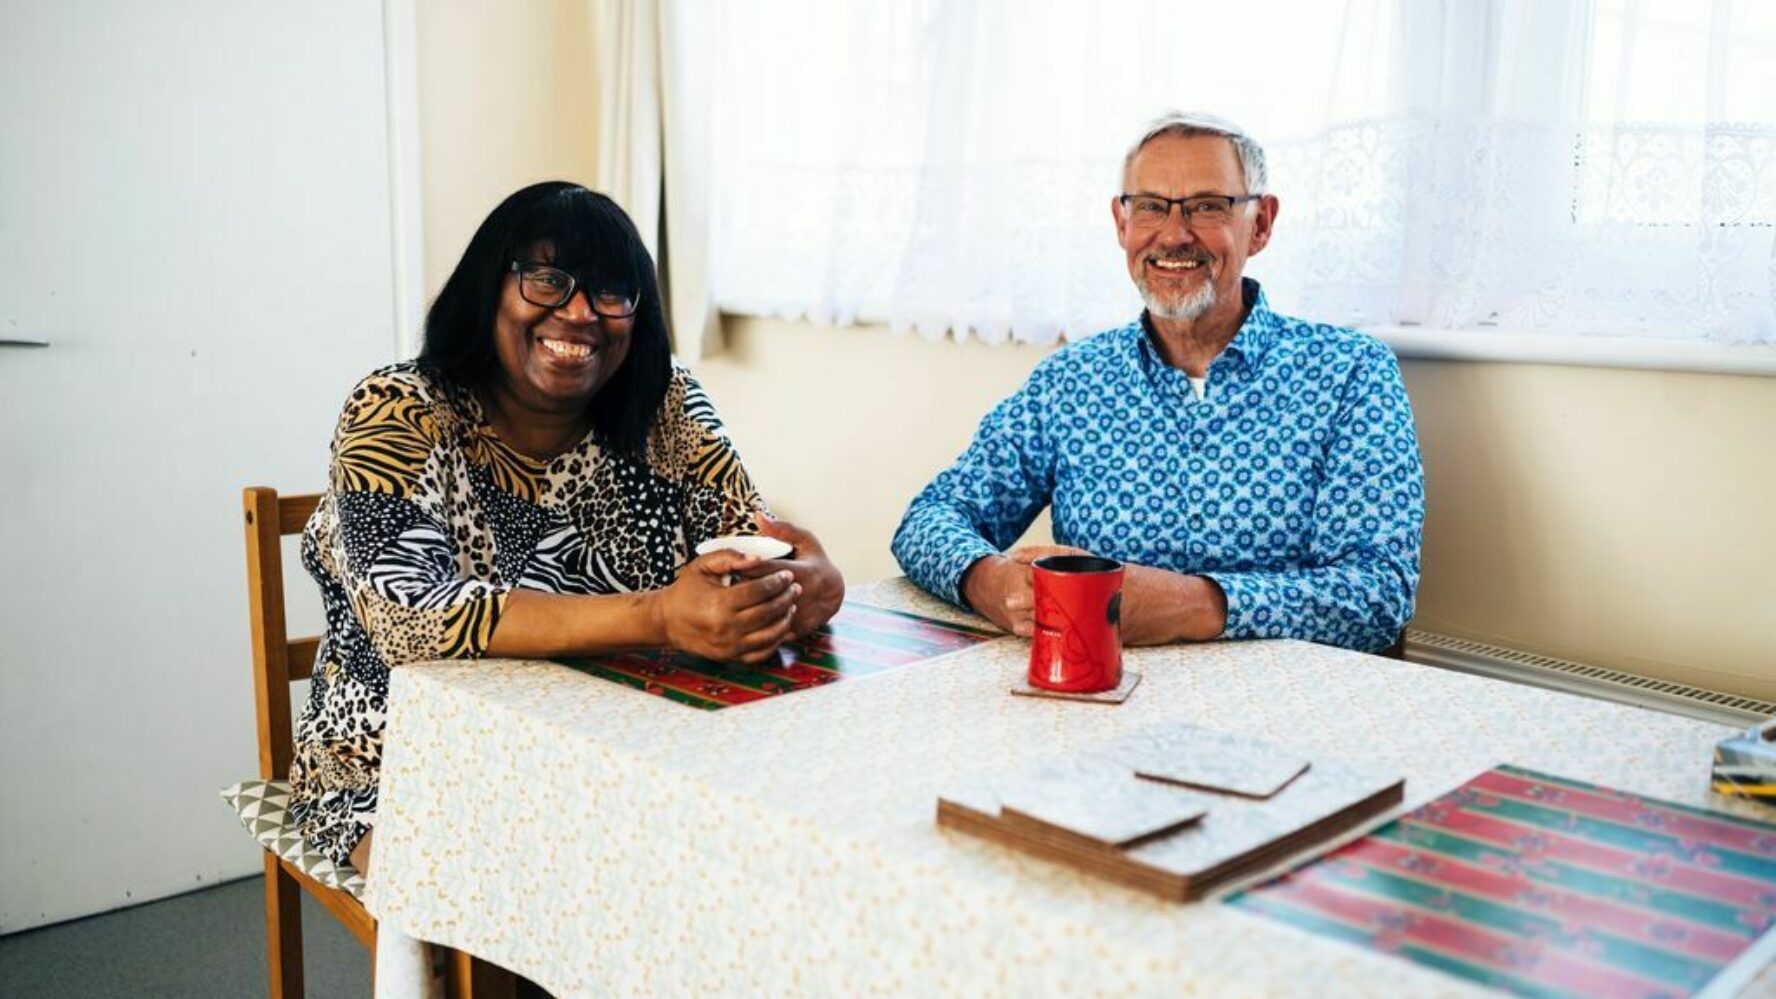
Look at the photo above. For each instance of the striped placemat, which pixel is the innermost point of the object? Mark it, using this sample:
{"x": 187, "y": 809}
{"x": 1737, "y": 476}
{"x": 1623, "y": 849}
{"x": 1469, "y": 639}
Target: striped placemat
{"x": 859, "y": 640}
{"x": 1545, "y": 886}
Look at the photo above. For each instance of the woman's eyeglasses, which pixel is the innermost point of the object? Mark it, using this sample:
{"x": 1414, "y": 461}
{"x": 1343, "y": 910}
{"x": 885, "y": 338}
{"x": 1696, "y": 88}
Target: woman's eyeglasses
{"x": 552, "y": 287}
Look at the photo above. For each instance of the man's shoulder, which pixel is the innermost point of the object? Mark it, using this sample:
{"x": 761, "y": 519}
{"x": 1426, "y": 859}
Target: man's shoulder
{"x": 1093, "y": 352}
{"x": 1308, "y": 338}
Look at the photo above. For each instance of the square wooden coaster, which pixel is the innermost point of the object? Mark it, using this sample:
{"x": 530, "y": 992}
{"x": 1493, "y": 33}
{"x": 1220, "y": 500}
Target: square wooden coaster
{"x": 1212, "y": 761}
{"x": 1114, "y": 696}
{"x": 1117, "y": 812}
{"x": 1251, "y": 777}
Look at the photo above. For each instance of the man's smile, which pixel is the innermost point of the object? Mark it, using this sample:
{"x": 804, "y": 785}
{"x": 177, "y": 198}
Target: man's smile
{"x": 1175, "y": 264}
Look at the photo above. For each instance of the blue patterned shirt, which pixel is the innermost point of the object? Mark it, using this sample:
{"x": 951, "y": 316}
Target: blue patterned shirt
{"x": 1294, "y": 483}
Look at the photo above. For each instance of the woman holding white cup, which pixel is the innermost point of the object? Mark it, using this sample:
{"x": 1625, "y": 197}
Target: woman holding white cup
{"x": 530, "y": 486}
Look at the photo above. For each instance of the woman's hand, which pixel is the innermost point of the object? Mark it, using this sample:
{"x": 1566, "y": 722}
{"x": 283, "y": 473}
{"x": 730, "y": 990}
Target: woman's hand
{"x": 745, "y": 622}
{"x": 822, "y": 586}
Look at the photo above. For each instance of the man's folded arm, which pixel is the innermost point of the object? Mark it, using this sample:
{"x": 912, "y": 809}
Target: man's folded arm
{"x": 1362, "y": 574}
{"x": 1361, "y": 606}
{"x": 983, "y": 502}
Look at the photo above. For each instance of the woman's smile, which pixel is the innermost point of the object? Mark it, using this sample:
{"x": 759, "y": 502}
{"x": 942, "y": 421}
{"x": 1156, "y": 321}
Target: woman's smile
{"x": 567, "y": 350}
{"x": 574, "y": 350}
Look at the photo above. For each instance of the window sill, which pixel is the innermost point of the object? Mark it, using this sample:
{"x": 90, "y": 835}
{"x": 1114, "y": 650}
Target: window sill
{"x": 1508, "y": 346}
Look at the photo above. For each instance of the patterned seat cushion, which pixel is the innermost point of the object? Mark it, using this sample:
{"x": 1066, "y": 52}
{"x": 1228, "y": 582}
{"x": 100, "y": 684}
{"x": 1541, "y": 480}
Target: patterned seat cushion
{"x": 263, "y": 807}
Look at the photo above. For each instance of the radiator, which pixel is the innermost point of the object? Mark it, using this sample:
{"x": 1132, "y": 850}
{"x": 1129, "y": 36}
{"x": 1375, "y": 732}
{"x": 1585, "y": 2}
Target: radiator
{"x": 1468, "y": 656}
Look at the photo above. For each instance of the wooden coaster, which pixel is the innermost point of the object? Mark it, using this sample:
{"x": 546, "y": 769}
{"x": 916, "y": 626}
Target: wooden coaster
{"x": 1212, "y": 761}
{"x": 1115, "y": 696}
{"x": 1119, "y": 812}
{"x": 1251, "y": 777}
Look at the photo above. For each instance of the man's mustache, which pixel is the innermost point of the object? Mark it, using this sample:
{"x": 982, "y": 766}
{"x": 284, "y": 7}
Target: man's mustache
{"x": 1182, "y": 255}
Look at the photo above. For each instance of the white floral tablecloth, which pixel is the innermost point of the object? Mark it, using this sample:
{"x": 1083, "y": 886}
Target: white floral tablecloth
{"x": 602, "y": 841}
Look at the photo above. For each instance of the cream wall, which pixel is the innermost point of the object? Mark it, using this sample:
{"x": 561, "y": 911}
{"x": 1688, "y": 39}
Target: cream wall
{"x": 1620, "y": 517}
{"x": 1612, "y": 516}
{"x": 1606, "y": 515}
{"x": 508, "y": 95}
{"x": 840, "y": 427}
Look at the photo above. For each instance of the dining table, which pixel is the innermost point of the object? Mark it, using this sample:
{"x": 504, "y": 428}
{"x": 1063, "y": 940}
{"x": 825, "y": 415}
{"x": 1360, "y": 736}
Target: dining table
{"x": 605, "y": 841}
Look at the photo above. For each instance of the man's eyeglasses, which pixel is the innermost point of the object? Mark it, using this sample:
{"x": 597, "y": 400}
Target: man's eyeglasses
{"x": 552, "y": 287}
{"x": 1208, "y": 211}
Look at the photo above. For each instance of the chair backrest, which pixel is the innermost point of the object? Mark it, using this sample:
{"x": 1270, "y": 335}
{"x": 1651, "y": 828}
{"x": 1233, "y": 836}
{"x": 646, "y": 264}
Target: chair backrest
{"x": 277, "y": 660}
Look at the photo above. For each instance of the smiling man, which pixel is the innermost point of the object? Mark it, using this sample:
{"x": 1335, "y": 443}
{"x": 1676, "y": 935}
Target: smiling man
{"x": 1258, "y": 474}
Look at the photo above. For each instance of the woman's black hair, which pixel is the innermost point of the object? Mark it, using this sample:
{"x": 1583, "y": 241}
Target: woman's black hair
{"x": 592, "y": 239}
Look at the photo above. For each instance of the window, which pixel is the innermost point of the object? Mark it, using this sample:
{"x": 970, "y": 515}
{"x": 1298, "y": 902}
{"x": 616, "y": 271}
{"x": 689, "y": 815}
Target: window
{"x": 948, "y": 166}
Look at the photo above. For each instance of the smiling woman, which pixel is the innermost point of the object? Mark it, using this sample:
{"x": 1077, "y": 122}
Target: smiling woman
{"x": 583, "y": 334}
{"x": 534, "y": 484}
{"x": 517, "y": 280}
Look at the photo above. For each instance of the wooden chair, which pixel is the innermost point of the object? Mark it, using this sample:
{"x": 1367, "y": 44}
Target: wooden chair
{"x": 277, "y": 661}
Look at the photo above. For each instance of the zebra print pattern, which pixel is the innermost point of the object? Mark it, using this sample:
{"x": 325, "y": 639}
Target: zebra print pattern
{"x": 698, "y": 408}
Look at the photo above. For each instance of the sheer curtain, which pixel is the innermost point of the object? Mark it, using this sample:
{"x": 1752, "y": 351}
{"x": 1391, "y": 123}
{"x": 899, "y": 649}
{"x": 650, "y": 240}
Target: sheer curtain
{"x": 1591, "y": 166}
{"x": 653, "y": 99}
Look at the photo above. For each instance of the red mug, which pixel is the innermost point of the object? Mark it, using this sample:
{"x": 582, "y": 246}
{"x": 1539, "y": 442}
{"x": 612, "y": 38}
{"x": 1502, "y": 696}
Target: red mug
{"x": 1077, "y": 648}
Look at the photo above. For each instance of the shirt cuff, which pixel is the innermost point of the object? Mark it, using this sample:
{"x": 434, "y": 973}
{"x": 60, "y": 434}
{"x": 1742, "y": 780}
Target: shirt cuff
{"x": 948, "y": 569}
{"x": 1249, "y": 611}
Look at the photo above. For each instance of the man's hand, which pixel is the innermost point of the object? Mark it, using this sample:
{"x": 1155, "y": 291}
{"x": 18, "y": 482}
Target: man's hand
{"x": 999, "y": 587}
{"x": 822, "y": 586}
{"x": 1160, "y": 607}
{"x": 745, "y": 622}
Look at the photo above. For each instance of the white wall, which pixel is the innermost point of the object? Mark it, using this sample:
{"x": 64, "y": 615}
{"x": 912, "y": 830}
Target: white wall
{"x": 194, "y": 210}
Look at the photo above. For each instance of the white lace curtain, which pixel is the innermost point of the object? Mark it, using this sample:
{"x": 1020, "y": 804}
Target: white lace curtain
{"x": 1591, "y": 166}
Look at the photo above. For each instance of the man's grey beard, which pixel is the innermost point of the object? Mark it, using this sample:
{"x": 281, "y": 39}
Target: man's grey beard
{"x": 1187, "y": 309}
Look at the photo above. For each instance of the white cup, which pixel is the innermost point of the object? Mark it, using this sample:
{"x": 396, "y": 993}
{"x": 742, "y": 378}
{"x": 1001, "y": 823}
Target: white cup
{"x": 746, "y": 544}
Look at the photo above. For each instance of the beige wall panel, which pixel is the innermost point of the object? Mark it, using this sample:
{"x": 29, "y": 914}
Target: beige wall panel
{"x": 1611, "y": 516}
{"x": 508, "y": 95}
{"x": 840, "y": 427}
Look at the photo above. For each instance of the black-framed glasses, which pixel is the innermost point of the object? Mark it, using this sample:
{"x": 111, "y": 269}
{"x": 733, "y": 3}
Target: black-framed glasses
{"x": 1205, "y": 211}
{"x": 552, "y": 287}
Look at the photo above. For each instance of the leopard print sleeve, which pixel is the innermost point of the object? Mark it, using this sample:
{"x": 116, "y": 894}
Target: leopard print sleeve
{"x": 690, "y": 446}
{"x": 391, "y": 543}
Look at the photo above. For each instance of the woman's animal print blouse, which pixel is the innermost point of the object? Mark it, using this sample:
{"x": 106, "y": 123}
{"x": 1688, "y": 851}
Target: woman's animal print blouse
{"x": 430, "y": 520}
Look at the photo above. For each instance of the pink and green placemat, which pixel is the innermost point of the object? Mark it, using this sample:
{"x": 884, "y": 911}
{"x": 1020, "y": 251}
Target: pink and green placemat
{"x": 1545, "y": 886}
{"x": 858, "y": 641}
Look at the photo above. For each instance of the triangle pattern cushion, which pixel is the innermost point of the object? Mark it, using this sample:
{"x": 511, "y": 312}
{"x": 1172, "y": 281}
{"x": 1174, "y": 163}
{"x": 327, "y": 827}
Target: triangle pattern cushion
{"x": 264, "y": 808}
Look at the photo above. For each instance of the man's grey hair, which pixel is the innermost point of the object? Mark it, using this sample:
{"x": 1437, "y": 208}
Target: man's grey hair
{"x": 1188, "y": 123}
